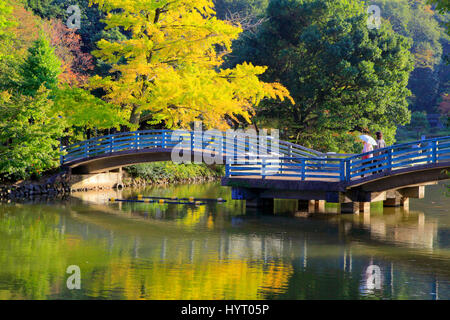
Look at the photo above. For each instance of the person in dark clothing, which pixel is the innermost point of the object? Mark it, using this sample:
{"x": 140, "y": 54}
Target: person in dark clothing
{"x": 380, "y": 141}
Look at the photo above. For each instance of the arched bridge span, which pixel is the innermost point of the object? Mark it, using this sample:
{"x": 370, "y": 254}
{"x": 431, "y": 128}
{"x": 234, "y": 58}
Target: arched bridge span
{"x": 281, "y": 170}
{"x": 121, "y": 149}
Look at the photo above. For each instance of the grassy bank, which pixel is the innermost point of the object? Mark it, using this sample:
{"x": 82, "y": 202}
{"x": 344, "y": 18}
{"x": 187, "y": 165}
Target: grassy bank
{"x": 169, "y": 172}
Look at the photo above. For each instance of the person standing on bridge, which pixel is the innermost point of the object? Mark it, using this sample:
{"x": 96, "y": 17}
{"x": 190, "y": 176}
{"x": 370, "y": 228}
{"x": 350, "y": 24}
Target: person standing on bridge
{"x": 380, "y": 145}
{"x": 367, "y": 148}
{"x": 380, "y": 141}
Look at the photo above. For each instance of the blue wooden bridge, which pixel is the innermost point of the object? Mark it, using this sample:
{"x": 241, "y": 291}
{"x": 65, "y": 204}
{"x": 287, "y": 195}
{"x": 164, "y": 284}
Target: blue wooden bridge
{"x": 262, "y": 168}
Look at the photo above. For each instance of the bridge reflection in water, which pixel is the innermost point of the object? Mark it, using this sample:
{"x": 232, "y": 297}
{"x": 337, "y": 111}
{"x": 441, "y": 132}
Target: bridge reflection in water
{"x": 392, "y": 224}
{"x": 222, "y": 252}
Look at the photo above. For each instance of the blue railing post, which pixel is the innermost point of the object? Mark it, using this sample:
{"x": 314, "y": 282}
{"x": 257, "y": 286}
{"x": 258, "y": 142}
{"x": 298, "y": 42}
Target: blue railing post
{"x": 247, "y": 146}
{"x": 181, "y": 142}
{"x": 163, "y": 142}
{"x": 223, "y": 144}
{"x": 303, "y": 167}
{"x": 111, "y": 142}
{"x": 348, "y": 170}
{"x": 389, "y": 160}
{"x": 342, "y": 170}
{"x": 136, "y": 140}
{"x": 86, "y": 150}
{"x": 227, "y": 170}
{"x": 263, "y": 168}
{"x": 434, "y": 152}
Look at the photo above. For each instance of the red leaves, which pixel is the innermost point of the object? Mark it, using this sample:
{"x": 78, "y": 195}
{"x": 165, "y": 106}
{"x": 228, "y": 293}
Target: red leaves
{"x": 68, "y": 47}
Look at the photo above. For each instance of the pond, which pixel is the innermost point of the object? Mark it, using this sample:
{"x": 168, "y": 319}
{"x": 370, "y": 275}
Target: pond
{"x": 220, "y": 251}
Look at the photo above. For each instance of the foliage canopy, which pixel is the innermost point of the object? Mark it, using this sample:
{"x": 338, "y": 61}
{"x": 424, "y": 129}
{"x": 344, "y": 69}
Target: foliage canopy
{"x": 169, "y": 66}
{"x": 29, "y": 135}
{"x": 343, "y": 76}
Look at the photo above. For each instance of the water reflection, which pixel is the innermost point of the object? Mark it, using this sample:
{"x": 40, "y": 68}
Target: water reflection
{"x": 392, "y": 225}
{"x": 152, "y": 251}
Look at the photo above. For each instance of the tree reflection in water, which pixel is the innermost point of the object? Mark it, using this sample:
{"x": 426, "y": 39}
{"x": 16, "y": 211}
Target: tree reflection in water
{"x": 152, "y": 251}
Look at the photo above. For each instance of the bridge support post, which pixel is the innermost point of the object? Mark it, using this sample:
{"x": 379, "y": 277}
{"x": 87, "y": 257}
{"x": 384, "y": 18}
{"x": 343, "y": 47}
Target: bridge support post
{"x": 319, "y": 206}
{"x": 364, "y": 207}
{"x": 400, "y": 197}
{"x": 399, "y": 201}
{"x": 405, "y": 203}
{"x": 349, "y": 207}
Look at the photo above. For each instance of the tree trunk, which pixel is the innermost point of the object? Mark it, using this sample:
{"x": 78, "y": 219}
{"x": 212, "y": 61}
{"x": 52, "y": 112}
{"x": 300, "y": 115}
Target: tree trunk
{"x": 135, "y": 116}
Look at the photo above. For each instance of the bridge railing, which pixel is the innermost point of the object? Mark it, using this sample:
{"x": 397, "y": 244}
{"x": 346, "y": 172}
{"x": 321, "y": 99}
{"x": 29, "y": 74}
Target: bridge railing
{"x": 113, "y": 143}
{"x": 219, "y": 143}
{"x": 346, "y": 169}
{"x": 286, "y": 168}
{"x": 247, "y": 155}
{"x": 397, "y": 157}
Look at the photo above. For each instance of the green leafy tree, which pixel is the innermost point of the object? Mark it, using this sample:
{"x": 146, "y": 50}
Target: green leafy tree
{"x": 36, "y": 110}
{"x": 103, "y": 68}
{"x": 83, "y": 111}
{"x": 29, "y": 135}
{"x": 343, "y": 76}
{"x": 416, "y": 20}
{"x": 419, "y": 124}
{"x": 46, "y": 8}
{"x": 442, "y": 6}
{"x": 5, "y": 19}
{"x": 6, "y": 35}
{"x": 42, "y": 66}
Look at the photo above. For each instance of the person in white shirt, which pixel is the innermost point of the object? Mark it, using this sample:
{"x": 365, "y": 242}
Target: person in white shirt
{"x": 367, "y": 148}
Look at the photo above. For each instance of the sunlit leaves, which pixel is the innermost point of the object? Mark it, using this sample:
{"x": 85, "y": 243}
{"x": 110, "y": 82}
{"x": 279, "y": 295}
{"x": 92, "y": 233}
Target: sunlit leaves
{"x": 6, "y": 22}
{"x": 42, "y": 67}
{"x": 81, "y": 109}
{"x": 170, "y": 66}
{"x": 30, "y": 129}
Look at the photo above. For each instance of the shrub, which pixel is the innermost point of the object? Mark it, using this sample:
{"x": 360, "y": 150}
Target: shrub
{"x": 171, "y": 172}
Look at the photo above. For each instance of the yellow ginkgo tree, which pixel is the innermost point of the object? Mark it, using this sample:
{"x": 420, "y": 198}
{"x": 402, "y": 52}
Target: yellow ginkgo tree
{"x": 169, "y": 67}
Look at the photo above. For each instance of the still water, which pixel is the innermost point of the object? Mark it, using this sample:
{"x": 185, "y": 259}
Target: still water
{"x": 220, "y": 251}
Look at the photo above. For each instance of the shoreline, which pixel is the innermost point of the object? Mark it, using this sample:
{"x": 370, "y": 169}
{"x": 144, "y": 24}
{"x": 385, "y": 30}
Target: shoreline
{"x": 60, "y": 185}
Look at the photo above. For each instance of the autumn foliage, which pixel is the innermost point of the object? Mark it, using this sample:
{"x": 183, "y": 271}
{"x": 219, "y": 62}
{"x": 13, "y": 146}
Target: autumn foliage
{"x": 68, "y": 45}
{"x": 76, "y": 64}
{"x": 169, "y": 69}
